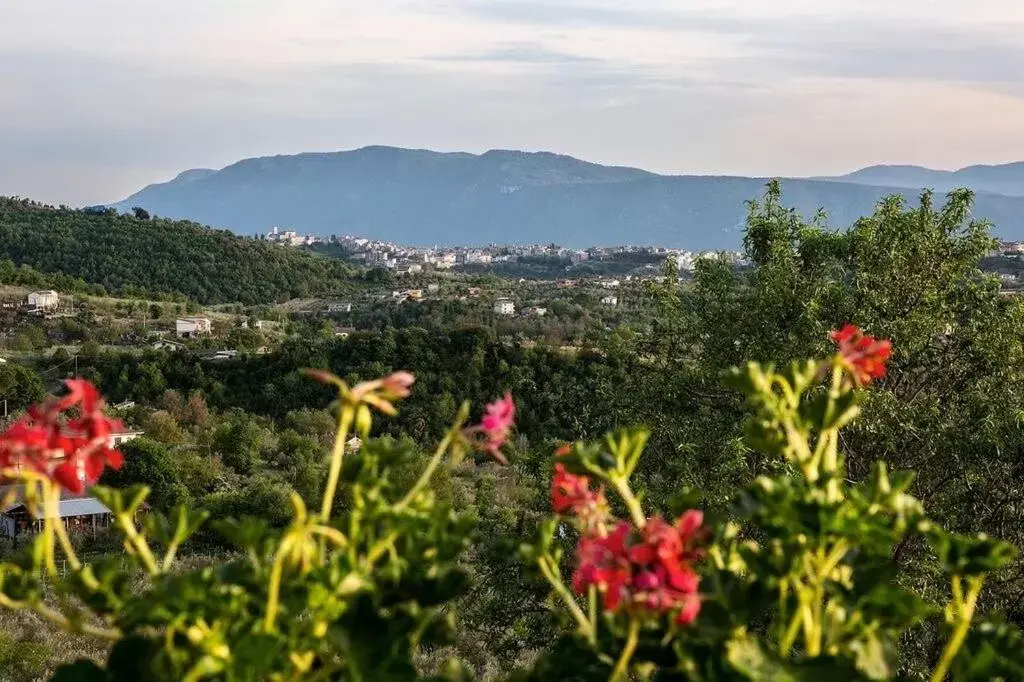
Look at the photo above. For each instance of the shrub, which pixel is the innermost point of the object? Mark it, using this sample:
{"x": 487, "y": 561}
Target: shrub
{"x": 796, "y": 584}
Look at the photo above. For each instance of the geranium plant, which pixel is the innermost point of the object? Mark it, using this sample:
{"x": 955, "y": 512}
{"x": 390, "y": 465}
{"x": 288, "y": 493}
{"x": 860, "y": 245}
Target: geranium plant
{"x": 797, "y": 584}
{"x": 347, "y": 592}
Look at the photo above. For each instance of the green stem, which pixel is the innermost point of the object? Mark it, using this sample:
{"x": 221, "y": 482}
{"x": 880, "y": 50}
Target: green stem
{"x": 425, "y": 477}
{"x": 60, "y": 620}
{"x": 379, "y": 548}
{"x": 622, "y": 666}
{"x": 817, "y": 603}
{"x": 632, "y": 504}
{"x": 49, "y": 519}
{"x": 551, "y": 574}
{"x": 139, "y": 543}
{"x": 789, "y": 638}
{"x": 274, "y": 586}
{"x": 965, "y": 614}
{"x": 337, "y": 455}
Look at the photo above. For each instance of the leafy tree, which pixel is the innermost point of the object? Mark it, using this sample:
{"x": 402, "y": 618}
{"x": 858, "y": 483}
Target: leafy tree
{"x": 153, "y": 464}
{"x": 20, "y": 386}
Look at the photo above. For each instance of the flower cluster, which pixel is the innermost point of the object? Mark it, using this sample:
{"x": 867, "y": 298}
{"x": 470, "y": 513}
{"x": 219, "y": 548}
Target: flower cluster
{"x": 70, "y": 451}
{"x": 572, "y": 494}
{"x": 645, "y": 571}
{"x": 865, "y": 356}
{"x": 494, "y": 429}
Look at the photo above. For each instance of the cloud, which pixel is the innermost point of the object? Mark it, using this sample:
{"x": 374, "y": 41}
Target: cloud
{"x": 520, "y": 53}
{"x": 719, "y": 86}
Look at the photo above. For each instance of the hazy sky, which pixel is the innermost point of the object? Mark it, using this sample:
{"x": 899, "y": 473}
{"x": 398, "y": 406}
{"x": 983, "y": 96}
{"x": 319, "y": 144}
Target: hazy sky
{"x": 100, "y": 97}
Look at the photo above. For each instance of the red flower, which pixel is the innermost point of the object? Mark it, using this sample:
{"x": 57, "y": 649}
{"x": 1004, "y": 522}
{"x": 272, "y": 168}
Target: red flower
{"x": 865, "y": 356}
{"x": 494, "y": 429}
{"x": 647, "y": 571}
{"x": 72, "y": 454}
{"x": 691, "y": 607}
{"x": 603, "y": 564}
{"x": 571, "y": 494}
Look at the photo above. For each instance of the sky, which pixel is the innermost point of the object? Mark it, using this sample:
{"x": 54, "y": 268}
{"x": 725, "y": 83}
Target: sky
{"x": 100, "y": 98}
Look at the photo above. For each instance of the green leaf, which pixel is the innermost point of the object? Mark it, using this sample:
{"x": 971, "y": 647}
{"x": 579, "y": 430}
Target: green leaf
{"x": 968, "y": 555}
{"x": 826, "y": 413}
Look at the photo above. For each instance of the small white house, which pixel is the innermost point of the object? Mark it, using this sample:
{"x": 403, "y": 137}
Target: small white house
{"x": 504, "y": 306}
{"x": 610, "y": 300}
{"x": 43, "y": 300}
{"x": 191, "y": 327}
{"x": 122, "y": 437}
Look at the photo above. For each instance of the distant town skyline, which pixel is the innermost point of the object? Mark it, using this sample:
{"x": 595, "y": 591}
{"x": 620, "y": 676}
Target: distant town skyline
{"x": 102, "y": 98}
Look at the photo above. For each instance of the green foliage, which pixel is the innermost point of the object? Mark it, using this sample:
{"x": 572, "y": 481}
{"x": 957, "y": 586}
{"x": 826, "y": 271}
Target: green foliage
{"x": 135, "y": 256}
{"x": 154, "y": 465}
{"x": 801, "y": 585}
{"x": 20, "y": 386}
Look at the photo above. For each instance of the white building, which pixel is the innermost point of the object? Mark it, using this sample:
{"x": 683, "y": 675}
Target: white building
{"x": 123, "y": 437}
{"x": 191, "y": 327}
{"x": 43, "y": 300}
{"x": 504, "y": 306}
{"x": 610, "y": 300}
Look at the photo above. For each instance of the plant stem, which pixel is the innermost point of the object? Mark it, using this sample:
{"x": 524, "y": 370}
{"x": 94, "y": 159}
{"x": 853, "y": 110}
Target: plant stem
{"x": 139, "y": 543}
{"x": 789, "y": 637}
{"x": 337, "y": 454}
{"x": 551, "y": 573}
{"x": 49, "y": 518}
{"x": 965, "y": 613}
{"x": 379, "y": 548}
{"x": 622, "y": 666}
{"x": 424, "y": 478}
{"x": 60, "y": 620}
{"x": 274, "y": 586}
{"x": 633, "y": 504}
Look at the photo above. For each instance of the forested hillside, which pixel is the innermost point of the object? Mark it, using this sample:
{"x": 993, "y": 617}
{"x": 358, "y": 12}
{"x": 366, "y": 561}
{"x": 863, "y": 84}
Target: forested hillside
{"x": 133, "y": 255}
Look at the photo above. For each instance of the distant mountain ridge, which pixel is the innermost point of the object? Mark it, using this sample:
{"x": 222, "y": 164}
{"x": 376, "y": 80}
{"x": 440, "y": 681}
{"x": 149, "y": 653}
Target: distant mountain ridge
{"x": 1006, "y": 179}
{"x": 506, "y": 196}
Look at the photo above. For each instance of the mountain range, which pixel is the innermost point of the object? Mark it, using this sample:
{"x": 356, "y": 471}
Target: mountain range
{"x": 504, "y": 196}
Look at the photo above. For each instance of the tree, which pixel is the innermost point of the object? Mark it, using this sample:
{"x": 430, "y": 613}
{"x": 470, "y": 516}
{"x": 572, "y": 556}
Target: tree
{"x": 20, "y": 386}
{"x": 153, "y": 464}
{"x": 140, "y": 213}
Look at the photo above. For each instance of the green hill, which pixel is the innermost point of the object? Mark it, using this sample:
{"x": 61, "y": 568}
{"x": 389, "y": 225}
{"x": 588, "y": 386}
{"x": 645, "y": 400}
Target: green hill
{"x": 126, "y": 254}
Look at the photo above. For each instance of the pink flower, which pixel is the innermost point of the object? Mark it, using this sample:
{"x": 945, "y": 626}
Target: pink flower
{"x": 491, "y": 434}
{"x": 397, "y": 385}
